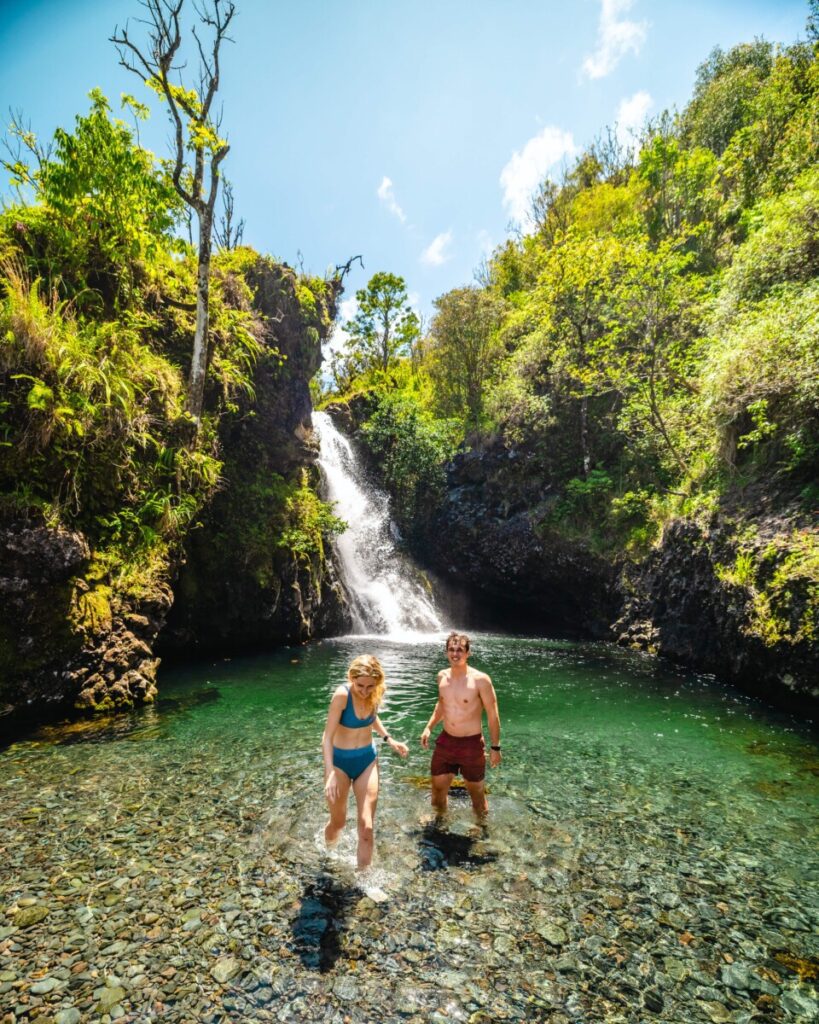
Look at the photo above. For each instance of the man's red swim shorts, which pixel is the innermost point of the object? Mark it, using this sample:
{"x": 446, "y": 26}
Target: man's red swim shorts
{"x": 464, "y": 754}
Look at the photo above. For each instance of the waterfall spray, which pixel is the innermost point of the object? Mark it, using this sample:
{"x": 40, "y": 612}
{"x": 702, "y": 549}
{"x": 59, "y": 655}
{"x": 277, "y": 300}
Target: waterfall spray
{"x": 385, "y": 595}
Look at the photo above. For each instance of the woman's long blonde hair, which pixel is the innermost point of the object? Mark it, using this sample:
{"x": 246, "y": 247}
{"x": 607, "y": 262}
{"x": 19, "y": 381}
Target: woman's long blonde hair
{"x": 367, "y": 665}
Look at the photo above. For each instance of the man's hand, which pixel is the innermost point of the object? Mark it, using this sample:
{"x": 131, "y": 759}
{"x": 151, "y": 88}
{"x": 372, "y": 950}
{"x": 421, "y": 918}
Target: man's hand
{"x": 494, "y": 758}
{"x": 425, "y": 738}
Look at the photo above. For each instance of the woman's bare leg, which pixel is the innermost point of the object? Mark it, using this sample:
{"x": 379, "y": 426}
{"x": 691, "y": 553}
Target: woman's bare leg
{"x": 338, "y": 808}
{"x": 365, "y": 788}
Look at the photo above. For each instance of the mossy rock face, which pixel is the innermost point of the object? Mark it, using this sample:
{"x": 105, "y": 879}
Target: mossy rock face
{"x": 91, "y": 609}
{"x": 734, "y": 597}
{"x": 282, "y": 587}
{"x": 67, "y": 639}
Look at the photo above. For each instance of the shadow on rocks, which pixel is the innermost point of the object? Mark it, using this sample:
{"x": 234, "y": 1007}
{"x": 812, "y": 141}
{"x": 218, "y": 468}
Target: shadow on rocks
{"x": 316, "y": 927}
{"x": 441, "y": 849}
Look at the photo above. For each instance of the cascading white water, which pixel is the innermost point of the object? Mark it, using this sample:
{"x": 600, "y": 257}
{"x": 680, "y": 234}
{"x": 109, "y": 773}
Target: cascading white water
{"x": 384, "y": 595}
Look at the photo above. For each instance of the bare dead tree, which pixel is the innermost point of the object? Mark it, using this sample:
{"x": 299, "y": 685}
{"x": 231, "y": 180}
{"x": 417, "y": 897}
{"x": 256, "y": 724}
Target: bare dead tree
{"x": 198, "y": 133}
{"x": 229, "y": 231}
{"x": 342, "y": 269}
{"x": 19, "y": 141}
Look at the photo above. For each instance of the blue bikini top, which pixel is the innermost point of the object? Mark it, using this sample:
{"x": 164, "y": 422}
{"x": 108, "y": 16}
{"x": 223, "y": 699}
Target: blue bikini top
{"x": 349, "y": 718}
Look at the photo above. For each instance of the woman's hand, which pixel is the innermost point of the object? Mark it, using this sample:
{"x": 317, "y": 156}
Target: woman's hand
{"x": 398, "y": 747}
{"x": 331, "y": 788}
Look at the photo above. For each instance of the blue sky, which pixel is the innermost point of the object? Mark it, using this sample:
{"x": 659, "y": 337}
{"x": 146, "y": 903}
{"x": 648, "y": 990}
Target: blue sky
{"x": 409, "y": 132}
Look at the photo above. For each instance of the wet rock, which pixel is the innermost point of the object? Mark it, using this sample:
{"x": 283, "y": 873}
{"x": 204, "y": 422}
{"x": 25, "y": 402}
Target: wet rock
{"x": 800, "y": 1004}
{"x": 553, "y": 934}
{"x": 345, "y": 988}
{"x": 40, "y": 988}
{"x": 716, "y": 1011}
{"x": 28, "y": 916}
{"x": 225, "y": 968}
{"x": 71, "y": 1015}
{"x": 109, "y": 997}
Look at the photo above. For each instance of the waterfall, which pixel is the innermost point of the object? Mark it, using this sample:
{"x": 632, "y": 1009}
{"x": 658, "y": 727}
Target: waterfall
{"x": 385, "y": 595}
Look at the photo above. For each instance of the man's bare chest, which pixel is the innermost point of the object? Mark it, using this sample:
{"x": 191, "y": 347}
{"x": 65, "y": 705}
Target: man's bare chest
{"x": 460, "y": 694}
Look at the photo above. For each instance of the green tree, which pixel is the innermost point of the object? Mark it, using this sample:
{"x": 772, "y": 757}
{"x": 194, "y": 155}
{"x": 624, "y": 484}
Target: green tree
{"x": 675, "y": 180}
{"x": 463, "y": 351}
{"x": 385, "y": 327}
{"x": 726, "y": 85}
{"x": 412, "y": 448}
{"x": 104, "y": 212}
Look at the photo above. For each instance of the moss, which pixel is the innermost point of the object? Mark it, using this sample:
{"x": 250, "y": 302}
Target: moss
{"x": 306, "y": 299}
{"x": 90, "y": 610}
{"x": 782, "y": 585}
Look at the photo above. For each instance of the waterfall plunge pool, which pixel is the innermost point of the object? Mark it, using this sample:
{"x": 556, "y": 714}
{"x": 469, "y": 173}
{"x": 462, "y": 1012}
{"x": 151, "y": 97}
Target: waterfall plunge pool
{"x": 650, "y": 852}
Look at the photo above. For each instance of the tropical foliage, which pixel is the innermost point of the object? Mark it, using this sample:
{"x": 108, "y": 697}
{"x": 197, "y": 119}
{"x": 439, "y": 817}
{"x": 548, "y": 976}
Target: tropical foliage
{"x": 97, "y": 317}
{"x": 649, "y": 343}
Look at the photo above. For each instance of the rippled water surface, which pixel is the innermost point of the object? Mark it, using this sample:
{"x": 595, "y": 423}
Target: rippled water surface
{"x": 650, "y": 853}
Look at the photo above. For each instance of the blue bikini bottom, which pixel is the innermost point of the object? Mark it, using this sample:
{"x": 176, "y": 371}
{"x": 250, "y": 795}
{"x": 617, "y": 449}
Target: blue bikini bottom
{"x": 354, "y": 762}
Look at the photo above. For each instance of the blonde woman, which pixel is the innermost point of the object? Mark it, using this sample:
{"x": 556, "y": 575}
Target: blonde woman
{"x": 350, "y": 757}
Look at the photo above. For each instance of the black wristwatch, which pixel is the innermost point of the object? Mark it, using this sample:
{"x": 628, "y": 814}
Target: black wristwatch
{"x": 494, "y": 748}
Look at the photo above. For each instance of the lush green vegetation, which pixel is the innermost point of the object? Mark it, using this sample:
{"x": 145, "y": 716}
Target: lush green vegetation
{"x": 650, "y": 344}
{"x": 97, "y": 319}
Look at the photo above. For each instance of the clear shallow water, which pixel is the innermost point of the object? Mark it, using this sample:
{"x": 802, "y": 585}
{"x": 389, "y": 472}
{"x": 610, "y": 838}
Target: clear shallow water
{"x": 650, "y": 852}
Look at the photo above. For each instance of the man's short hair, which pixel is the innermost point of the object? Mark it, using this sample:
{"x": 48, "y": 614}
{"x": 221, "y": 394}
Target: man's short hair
{"x": 460, "y": 637}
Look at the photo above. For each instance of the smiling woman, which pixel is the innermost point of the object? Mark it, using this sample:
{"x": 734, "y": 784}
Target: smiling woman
{"x": 350, "y": 757}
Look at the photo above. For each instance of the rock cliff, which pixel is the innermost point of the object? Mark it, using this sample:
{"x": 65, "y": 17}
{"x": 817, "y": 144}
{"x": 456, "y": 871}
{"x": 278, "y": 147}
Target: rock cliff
{"x": 237, "y": 589}
{"x": 70, "y": 638}
{"x": 687, "y": 601}
{"x": 736, "y": 597}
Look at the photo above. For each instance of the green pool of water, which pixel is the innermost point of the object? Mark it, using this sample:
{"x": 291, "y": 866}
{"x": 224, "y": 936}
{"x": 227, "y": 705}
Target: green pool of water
{"x": 650, "y": 852}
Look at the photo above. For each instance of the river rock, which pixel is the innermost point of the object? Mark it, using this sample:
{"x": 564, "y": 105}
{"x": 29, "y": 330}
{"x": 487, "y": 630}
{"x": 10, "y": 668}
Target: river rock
{"x": 345, "y": 988}
{"x": 28, "y": 916}
{"x": 225, "y": 968}
{"x": 71, "y": 1015}
{"x": 109, "y": 997}
{"x": 553, "y": 934}
{"x": 40, "y": 988}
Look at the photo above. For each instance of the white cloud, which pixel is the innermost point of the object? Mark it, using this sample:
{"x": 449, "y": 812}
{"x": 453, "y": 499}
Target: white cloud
{"x": 527, "y": 168}
{"x": 436, "y": 252}
{"x": 615, "y": 38}
{"x": 631, "y": 115}
{"x": 348, "y": 309}
{"x": 387, "y": 197}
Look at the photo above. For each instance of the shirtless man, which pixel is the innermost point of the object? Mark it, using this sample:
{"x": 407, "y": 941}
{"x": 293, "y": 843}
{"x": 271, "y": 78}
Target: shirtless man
{"x": 463, "y": 696}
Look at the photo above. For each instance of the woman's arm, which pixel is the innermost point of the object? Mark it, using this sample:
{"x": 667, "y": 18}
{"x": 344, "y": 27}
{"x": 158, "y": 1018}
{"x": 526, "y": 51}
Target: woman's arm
{"x": 396, "y": 745}
{"x": 333, "y": 719}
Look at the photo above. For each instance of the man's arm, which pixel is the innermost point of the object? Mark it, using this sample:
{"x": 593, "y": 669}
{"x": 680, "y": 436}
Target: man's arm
{"x": 489, "y": 700}
{"x": 437, "y": 716}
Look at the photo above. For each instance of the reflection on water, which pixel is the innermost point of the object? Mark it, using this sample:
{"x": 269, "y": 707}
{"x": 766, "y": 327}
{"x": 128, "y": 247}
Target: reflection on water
{"x": 650, "y": 853}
